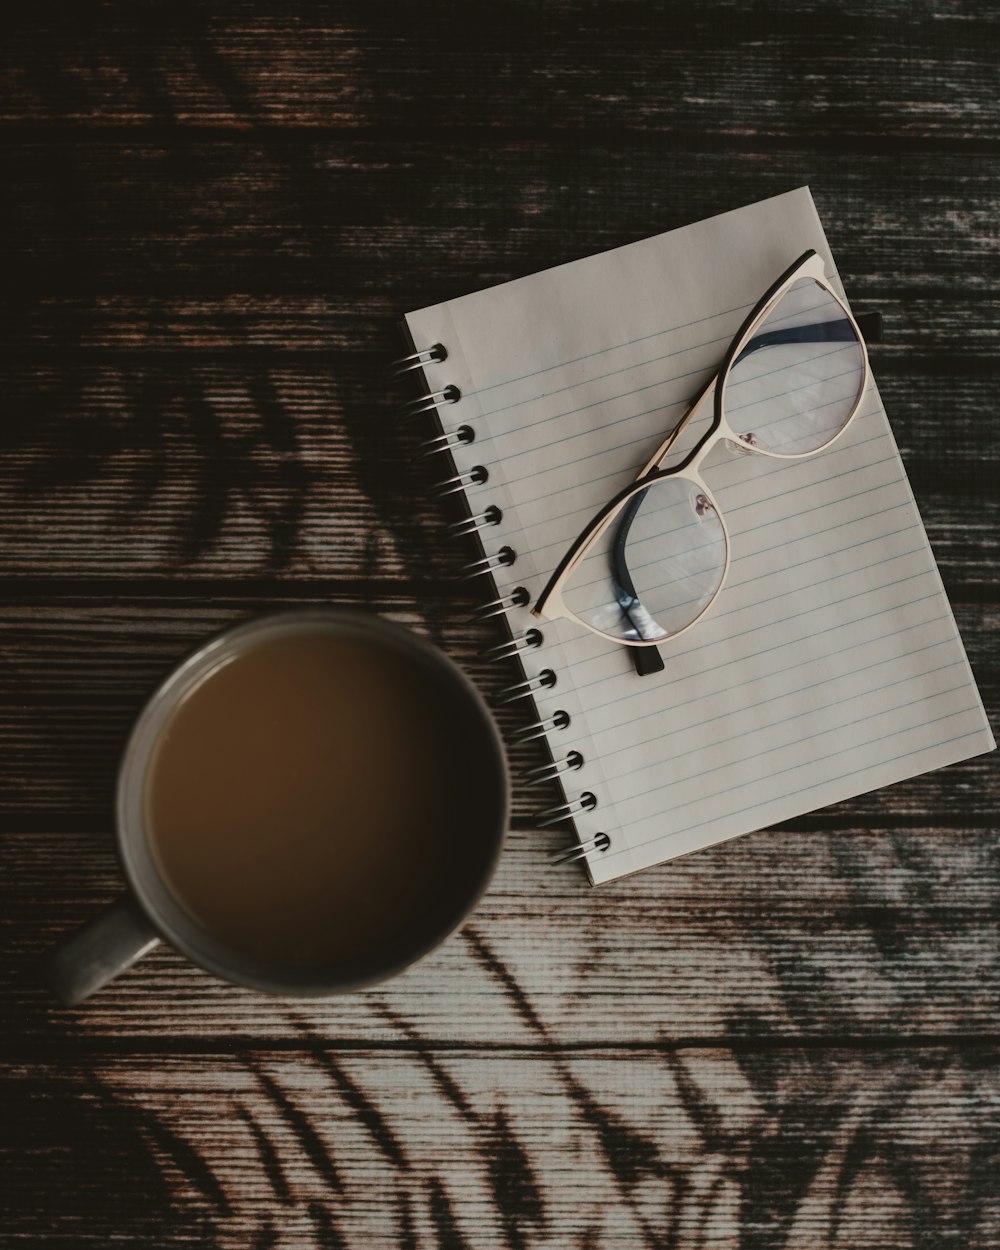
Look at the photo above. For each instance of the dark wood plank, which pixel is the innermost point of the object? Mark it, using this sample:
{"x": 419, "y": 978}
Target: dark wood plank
{"x": 154, "y": 467}
{"x": 863, "y": 932}
{"x": 927, "y": 325}
{"x": 157, "y": 467}
{"x": 415, "y": 223}
{"x": 210, "y": 433}
{"x": 76, "y": 675}
{"x": 411, "y": 1147}
{"x": 719, "y": 74}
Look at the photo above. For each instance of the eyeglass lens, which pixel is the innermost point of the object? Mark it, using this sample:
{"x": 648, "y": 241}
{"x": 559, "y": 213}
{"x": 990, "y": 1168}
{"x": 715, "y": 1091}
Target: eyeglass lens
{"x": 656, "y": 569}
{"x": 796, "y": 383}
{"x": 792, "y": 388}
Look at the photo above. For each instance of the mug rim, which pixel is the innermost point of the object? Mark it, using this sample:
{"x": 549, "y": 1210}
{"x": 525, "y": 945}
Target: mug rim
{"x": 133, "y": 843}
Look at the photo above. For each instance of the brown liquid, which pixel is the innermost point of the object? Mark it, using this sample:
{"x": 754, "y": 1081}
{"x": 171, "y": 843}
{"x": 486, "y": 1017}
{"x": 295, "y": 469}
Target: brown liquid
{"x": 308, "y": 799}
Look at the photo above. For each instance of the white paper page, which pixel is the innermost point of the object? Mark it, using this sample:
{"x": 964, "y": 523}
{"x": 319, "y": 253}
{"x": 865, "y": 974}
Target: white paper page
{"x": 830, "y": 665}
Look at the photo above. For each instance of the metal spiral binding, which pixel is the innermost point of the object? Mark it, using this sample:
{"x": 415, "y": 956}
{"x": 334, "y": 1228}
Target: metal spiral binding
{"x": 558, "y": 720}
{"x": 435, "y": 399}
{"x": 471, "y": 477}
{"x": 580, "y": 850}
{"x": 545, "y": 680}
{"x": 566, "y": 811}
{"x": 491, "y": 516}
{"x": 503, "y": 558}
{"x": 531, "y": 638}
{"x": 445, "y": 442}
{"x": 518, "y": 597}
{"x": 546, "y": 772}
{"x": 417, "y": 360}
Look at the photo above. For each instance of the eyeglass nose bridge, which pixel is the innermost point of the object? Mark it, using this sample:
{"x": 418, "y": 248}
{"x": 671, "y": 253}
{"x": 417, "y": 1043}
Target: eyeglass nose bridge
{"x": 723, "y": 433}
{"x": 742, "y": 445}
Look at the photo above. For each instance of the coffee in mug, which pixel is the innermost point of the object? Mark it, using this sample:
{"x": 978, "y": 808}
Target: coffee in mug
{"x": 310, "y": 797}
{"x": 309, "y": 803}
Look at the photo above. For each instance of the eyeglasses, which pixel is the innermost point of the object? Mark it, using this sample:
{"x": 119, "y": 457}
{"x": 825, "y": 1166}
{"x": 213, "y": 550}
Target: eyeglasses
{"x": 655, "y": 558}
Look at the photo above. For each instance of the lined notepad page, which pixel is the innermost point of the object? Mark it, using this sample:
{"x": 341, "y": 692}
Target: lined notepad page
{"x": 831, "y": 663}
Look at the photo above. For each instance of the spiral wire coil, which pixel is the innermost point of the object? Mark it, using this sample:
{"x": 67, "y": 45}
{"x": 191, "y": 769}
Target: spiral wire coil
{"x": 474, "y": 524}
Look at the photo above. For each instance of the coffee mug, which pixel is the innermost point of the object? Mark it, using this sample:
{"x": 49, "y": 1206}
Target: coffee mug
{"x": 470, "y": 804}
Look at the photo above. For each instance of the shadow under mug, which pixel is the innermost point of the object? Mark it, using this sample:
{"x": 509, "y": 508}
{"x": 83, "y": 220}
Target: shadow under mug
{"x": 86, "y": 959}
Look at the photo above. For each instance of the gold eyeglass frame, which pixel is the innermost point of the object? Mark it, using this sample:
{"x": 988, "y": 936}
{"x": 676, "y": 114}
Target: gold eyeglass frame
{"x": 551, "y": 605}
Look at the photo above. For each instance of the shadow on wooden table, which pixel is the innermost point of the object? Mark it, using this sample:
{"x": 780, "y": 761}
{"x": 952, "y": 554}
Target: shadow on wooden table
{"x": 97, "y": 1167}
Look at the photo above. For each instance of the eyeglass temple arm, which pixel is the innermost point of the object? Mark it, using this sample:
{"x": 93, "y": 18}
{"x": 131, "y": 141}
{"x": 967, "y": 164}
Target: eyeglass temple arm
{"x": 839, "y": 331}
{"x": 647, "y": 660}
{"x": 625, "y": 591}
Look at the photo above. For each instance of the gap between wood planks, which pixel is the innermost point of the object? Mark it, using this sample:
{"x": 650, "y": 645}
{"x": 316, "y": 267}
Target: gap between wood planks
{"x": 680, "y": 139}
{"x": 96, "y": 823}
{"x": 389, "y": 595}
{"x": 40, "y": 1049}
{"x": 910, "y": 360}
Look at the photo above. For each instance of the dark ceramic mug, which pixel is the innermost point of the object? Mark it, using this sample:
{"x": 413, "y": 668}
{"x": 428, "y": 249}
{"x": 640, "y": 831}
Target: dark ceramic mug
{"x": 112, "y": 941}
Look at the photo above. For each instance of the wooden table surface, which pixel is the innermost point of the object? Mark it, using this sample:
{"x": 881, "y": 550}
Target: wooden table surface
{"x": 211, "y": 216}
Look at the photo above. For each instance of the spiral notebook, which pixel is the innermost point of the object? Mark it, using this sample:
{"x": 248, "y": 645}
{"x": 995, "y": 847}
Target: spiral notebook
{"x": 830, "y": 665}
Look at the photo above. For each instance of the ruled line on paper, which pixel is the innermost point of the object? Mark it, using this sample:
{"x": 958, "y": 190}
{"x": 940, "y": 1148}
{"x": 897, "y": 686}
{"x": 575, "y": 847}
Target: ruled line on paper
{"x": 581, "y": 515}
{"x": 638, "y": 846}
{"x": 714, "y": 362}
{"x": 714, "y": 665}
{"x": 819, "y": 797}
{"x": 799, "y": 766}
{"x": 646, "y": 695}
{"x": 531, "y": 454}
{"x": 703, "y": 691}
{"x": 777, "y": 747}
{"x": 564, "y": 364}
{"x": 648, "y": 545}
{"x": 744, "y": 309}
{"x": 688, "y": 729}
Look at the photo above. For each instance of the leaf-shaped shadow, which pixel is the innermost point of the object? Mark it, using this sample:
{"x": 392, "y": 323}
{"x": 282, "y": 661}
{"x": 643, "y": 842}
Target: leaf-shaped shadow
{"x": 96, "y": 1163}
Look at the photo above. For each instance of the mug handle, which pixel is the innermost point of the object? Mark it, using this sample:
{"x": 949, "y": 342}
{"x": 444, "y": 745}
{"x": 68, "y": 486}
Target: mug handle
{"x": 87, "y": 958}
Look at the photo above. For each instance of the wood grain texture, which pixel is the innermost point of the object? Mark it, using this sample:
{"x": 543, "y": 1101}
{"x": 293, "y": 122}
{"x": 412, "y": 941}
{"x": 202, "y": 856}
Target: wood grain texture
{"x": 870, "y": 933}
{"x": 721, "y": 72}
{"x": 77, "y": 674}
{"x": 200, "y": 433}
{"x": 618, "y": 1149}
{"x": 263, "y": 215}
{"x": 212, "y": 216}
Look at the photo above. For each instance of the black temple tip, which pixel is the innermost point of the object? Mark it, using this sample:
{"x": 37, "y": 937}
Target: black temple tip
{"x": 647, "y": 660}
{"x": 870, "y": 324}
